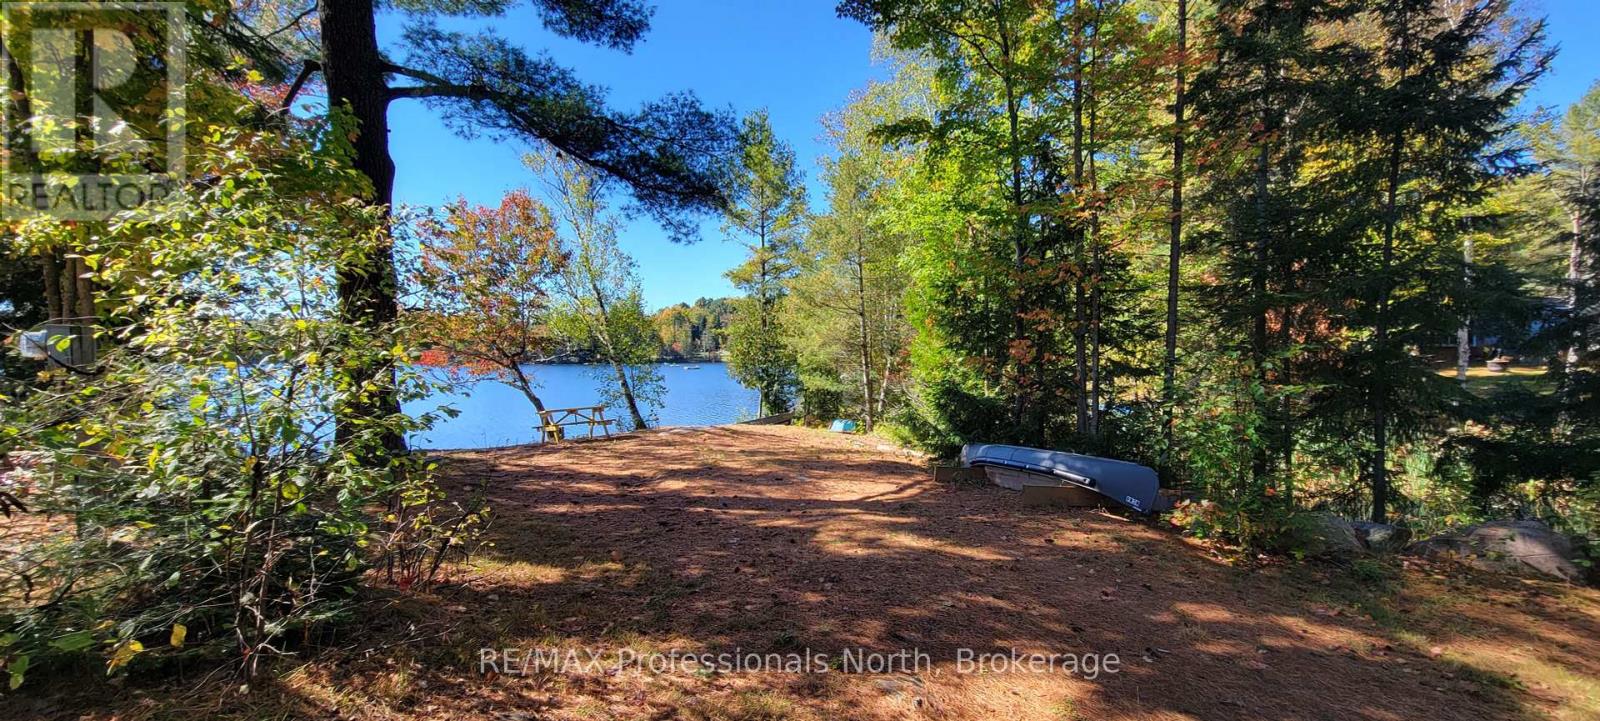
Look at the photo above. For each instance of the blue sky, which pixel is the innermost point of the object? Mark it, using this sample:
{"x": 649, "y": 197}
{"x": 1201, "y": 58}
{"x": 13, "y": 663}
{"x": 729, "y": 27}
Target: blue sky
{"x": 1575, "y": 28}
{"x": 793, "y": 57}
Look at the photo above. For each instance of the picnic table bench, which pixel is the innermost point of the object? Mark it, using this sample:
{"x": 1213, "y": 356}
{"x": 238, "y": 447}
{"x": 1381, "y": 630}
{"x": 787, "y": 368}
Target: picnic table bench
{"x": 555, "y": 421}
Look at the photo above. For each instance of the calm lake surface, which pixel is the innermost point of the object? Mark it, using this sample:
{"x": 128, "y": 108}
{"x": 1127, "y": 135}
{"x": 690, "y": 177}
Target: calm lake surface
{"x": 495, "y": 414}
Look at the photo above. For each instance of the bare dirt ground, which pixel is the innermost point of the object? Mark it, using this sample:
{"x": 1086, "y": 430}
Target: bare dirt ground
{"x": 788, "y": 540}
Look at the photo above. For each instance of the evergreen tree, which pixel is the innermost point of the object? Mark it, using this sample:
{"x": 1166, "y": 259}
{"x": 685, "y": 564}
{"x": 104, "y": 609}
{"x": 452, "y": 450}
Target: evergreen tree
{"x": 1435, "y": 106}
{"x": 1265, "y": 105}
{"x": 1537, "y": 453}
{"x": 1579, "y": 382}
{"x": 767, "y": 216}
{"x": 987, "y": 136}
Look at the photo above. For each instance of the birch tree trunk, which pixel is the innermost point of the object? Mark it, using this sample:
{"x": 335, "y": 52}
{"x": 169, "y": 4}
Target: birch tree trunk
{"x": 866, "y": 335}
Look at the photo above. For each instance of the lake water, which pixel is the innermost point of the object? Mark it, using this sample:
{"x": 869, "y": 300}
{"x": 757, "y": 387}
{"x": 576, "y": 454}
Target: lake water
{"x": 495, "y": 414}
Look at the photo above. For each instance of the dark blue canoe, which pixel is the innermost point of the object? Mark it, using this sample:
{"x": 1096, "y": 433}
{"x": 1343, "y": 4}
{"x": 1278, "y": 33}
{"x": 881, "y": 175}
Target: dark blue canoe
{"x": 1130, "y": 484}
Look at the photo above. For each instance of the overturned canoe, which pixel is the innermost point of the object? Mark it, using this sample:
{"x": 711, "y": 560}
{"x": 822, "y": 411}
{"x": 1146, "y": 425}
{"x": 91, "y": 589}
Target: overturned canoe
{"x": 1130, "y": 484}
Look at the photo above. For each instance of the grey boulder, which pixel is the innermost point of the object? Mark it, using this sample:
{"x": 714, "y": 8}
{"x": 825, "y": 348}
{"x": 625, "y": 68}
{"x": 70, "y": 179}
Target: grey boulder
{"x": 1326, "y": 535}
{"x": 1381, "y": 537}
{"x": 1507, "y": 547}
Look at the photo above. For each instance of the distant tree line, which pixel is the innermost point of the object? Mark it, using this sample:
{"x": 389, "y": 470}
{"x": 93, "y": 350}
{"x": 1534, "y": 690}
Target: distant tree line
{"x": 694, "y": 331}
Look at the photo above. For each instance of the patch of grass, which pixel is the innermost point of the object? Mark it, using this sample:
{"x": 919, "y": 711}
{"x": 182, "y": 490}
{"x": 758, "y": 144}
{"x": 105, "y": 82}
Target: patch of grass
{"x": 394, "y": 685}
{"x": 784, "y": 640}
{"x": 1372, "y": 572}
{"x": 752, "y": 705}
{"x": 1482, "y": 382}
{"x": 1580, "y": 693}
{"x": 1192, "y": 634}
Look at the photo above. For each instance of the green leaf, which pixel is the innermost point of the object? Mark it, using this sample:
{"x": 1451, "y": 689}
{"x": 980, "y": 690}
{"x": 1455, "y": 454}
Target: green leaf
{"x": 17, "y": 668}
{"x": 73, "y": 642}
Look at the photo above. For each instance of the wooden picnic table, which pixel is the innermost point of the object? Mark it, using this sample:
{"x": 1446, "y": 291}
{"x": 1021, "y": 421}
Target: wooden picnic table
{"x": 555, "y": 421}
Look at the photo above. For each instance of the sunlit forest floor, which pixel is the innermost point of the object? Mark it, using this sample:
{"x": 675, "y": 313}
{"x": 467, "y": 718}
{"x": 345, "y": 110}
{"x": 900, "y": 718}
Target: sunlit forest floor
{"x": 1482, "y": 381}
{"x": 776, "y": 539}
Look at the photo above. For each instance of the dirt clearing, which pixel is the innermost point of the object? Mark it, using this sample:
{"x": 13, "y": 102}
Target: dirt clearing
{"x": 791, "y": 542}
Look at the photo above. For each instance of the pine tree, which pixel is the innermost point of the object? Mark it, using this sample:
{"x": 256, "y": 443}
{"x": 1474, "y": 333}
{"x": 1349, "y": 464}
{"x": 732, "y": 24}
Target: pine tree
{"x": 1439, "y": 97}
{"x": 1264, "y": 102}
{"x": 767, "y": 216}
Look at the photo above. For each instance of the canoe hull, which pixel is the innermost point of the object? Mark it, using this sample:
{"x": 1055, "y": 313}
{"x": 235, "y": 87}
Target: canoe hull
{"x": 1129, "y": 484}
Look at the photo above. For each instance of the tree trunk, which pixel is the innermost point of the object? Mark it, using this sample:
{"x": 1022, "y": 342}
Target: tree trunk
{"x": 611, "y": 354}
{"x": 1174, "y": 242}
{"x": 1260, "y": 461}
{"x": 52, "y": 282}
{"x": 1464, "y": 333}
{"x": 1097, "y": 267}
{"x": 883, "y": 382}
{"x": 627, "y": 395}
{"x": 353, "y": 68}
{"x": 525, "y": 385}
{"x": 83, "y": 283}
{"x": 866, "y": 337}
{"x": 765, "y": 400}
{"x": 1096, "y": 252}
{"x": 1574, "y": 275}
{"x": 1380, "y": 386}
{"x": 1380, "y": 391}
{"x": 67, "y": 283}
{"x": 1079, "y": 314}
{"x": 1019, "y": 240}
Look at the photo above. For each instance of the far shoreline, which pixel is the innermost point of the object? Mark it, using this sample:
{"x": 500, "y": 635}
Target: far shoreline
{"x": 432, "y": 358}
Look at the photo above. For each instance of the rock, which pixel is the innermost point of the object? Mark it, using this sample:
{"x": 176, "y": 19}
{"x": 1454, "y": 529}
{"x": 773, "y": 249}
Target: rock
{"x": 1506, "y": 547}
{"x": 1325, "y": 535}
{"x": 1381, "y": 537}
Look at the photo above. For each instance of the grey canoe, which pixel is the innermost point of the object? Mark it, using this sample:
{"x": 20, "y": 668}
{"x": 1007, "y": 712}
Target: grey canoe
{"x": 1130, "y": 484}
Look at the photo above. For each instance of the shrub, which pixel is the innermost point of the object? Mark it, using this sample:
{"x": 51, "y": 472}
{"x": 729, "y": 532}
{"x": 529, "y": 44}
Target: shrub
{"x": 201, "y": 497}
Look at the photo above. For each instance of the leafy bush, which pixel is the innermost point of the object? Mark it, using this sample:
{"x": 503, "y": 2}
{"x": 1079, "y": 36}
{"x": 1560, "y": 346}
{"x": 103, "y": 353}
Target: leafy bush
{"x": 200, "y": 495}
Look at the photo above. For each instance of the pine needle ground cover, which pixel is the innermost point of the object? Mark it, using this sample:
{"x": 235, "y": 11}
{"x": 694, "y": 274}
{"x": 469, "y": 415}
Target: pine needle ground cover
{"x": 788, "y": 540}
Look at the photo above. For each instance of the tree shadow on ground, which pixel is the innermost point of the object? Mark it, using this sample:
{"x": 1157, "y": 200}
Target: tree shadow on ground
{"x": 771, "y": 539}
{"x": 774, "y": 540}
